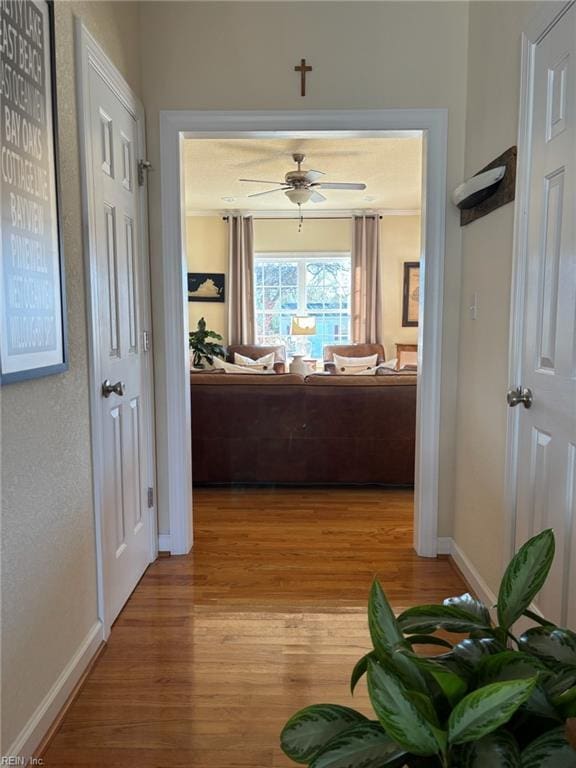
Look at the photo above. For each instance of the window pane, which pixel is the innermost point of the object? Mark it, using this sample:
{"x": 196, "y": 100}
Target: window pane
{"x": 289, "y": 299}
{"x": 271, "y": 298}
{"x": 289, "y": 274}
{"x": 271, "y": 274}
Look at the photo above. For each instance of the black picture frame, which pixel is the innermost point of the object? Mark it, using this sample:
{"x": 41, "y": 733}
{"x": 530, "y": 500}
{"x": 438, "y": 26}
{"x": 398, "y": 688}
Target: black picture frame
{"x": 410, "y": 304}
{"x": 54, "y": 213}
{"x": 214, "y": 284}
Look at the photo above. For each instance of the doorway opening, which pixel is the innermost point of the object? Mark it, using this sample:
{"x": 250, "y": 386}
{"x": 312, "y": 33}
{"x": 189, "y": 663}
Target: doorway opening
{"x": 305, "y": 278}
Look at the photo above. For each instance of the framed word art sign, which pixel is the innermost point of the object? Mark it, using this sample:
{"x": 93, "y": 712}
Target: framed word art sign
{"x": 32, "y": 305}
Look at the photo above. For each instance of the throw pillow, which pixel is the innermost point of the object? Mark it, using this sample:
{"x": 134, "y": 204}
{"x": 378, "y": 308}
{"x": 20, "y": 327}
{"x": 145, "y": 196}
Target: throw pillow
{"x": 355, "y": 370}
{"x": 267, "y": 361}
{"x": 232, "y": 368}
{"x": 370, "y": 361}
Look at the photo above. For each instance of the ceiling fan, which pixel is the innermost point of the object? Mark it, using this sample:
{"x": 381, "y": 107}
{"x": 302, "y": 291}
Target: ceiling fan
{"x": 302, "y": 186}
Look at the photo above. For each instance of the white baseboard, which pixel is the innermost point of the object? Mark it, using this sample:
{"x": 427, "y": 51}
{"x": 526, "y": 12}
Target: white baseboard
{"x": 470, "y": 573}
{"x": 164, "y": 542}
{"x": 444, "y": 545}
{"x": 45, "y": 715}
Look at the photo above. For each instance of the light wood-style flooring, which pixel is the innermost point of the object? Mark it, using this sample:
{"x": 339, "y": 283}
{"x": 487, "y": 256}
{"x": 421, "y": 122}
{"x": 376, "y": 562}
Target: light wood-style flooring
{"x": 214, "y": 651}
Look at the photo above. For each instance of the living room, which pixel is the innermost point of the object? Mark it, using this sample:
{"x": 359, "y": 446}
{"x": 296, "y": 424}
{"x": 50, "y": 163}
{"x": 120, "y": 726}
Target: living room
{"x": 323, "y": 294}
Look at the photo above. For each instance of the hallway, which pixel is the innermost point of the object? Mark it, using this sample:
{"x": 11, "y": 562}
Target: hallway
{"x": 214, "y": 651}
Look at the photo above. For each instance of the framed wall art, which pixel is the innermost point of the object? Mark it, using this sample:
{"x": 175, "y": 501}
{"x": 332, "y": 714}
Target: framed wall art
{"x": 32, "y": 305}
{"x": 206, "y": 286}
{"x": 411, "y": 294}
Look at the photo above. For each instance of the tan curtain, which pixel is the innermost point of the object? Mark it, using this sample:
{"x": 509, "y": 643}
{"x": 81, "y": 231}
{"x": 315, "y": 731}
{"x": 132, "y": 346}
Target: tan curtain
{"x": 241, "y": 280}
{"x": 366, "y": 281}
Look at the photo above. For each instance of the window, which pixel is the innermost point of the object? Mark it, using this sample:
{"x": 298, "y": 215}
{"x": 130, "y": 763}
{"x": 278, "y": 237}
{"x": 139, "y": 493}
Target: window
{"x": 317, "y": 285}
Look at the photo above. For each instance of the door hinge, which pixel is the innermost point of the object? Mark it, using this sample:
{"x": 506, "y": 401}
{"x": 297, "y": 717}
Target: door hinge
{"x": 143, "y": 165}
{"x": 145, "y": 341}
{"x": 150, "y": 498}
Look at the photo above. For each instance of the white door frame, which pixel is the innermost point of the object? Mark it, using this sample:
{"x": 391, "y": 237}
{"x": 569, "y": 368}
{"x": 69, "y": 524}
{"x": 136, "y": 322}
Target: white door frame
{"x": 89, "y": 55}
{"x": 172, "y": 379}
{"x": 537, "y": 25}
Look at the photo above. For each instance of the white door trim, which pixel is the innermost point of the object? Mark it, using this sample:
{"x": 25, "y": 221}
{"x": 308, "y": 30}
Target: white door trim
{"x": 538, "y": 24}
{"x": 89, "y": 55}
{"x": 172, "y": 381}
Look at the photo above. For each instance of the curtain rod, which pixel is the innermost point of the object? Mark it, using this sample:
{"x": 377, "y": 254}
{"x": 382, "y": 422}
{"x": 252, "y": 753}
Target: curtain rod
{"x": 306, "y": 218}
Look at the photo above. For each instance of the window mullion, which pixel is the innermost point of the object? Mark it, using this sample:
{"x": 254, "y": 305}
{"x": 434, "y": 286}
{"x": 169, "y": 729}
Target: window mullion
{"x": 302, "y": 287}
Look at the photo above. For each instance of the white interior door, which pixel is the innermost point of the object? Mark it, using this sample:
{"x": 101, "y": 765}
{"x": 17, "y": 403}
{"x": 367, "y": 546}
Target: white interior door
{"x": 120, "y": 296}
{"x": 546, "y": 468}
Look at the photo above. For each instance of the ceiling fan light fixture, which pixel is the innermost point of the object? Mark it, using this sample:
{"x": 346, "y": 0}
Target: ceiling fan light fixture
{"x": 299, "y": 195}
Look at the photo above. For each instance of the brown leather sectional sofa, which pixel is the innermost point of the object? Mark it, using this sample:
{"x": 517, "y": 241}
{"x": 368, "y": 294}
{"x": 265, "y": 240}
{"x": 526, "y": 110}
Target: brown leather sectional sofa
{"x": 283, "y": 429}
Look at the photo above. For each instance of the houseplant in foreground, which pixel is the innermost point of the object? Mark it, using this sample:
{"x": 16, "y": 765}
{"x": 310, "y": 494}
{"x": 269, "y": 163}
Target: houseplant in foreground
{"x": 491, "y": 700}
{"x": 203, "y": 349}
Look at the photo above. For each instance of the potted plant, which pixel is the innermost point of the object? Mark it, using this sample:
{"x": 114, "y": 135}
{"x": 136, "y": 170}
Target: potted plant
{"x": 491, "y": 700}
{"x": 204, "y": 350}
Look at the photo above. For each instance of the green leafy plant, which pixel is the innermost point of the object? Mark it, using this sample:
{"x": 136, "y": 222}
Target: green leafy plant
{"x": 202, "y": 347}
{"x": 490, "y": 700}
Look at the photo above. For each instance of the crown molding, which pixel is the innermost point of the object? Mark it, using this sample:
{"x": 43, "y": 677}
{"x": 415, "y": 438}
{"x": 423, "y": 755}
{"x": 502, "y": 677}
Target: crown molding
{"x": 323, "y": 214}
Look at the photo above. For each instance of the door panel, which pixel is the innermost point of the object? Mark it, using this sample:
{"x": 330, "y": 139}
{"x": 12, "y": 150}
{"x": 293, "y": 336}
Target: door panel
{"x": 547, "y": 433}
{"x": 125, "y": 424}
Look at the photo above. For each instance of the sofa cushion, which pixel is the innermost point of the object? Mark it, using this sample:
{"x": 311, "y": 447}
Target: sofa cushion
{"x": 354, "y": 350}
{"x": 255, "y": 351}
{"x": 280, "y": 379}
{"x": 331, "y": 380}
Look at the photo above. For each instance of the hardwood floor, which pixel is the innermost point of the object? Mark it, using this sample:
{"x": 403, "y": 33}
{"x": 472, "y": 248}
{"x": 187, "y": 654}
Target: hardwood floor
{"x": 214, "y": 651}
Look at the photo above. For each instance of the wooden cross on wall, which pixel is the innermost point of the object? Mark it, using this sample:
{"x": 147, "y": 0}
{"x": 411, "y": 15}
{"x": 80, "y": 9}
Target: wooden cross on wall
{"x": 303, "y": 68}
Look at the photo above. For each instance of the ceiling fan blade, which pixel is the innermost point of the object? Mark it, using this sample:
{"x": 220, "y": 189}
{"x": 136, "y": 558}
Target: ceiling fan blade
{"x": 313, "y": 175}
{"x": 338, "y": 185}
{"x": 260, "y": 181}
{"x": 268, "y": 192}
{"x": 316, "y": 197}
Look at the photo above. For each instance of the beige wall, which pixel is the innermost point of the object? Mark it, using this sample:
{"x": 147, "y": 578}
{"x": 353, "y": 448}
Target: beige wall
{"x": 399, "y": 242}
{"x": 207, "y": 251}
{"x": 492, "y": 121}
{"x": 48, "y": 564}
{"x": 241, "y": 56}
{"x": 316, "y": 235}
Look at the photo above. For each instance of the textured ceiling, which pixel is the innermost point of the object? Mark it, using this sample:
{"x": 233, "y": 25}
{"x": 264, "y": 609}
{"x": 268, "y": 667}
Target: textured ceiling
{"x": 390, "y": 167}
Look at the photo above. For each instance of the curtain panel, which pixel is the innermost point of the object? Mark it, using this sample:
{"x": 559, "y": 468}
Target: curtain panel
{"x": 366, "y": 281}
{"x": 241, "y": 313}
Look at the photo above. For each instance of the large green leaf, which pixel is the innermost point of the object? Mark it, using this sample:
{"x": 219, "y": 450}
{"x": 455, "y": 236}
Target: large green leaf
{"x": 429, "y": 617}
{"x": 384, "y": 629}
{"x": 559, "y": 680}
{"x": 486, "y": 709}
{"x": 452, "y": 685}
{"x": 470, "y": 605}
{"x": 309, "y": 730}
{"x": 551, "y": 750}
{"x": 515, "y": 665}
{"x": 509, "y": 665}
{"x": 467, "y": 654}
{"x": 360, "y": 669}
{"x": 496, "y": 750}
{"x": 550, "y": 644}
{"x": 525, "y": 577}
{"x": 400, "y": 715}
{"x": 428, "y": 640}
{"x": 566, "y": 702}
{"x": 362, "y": 746}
